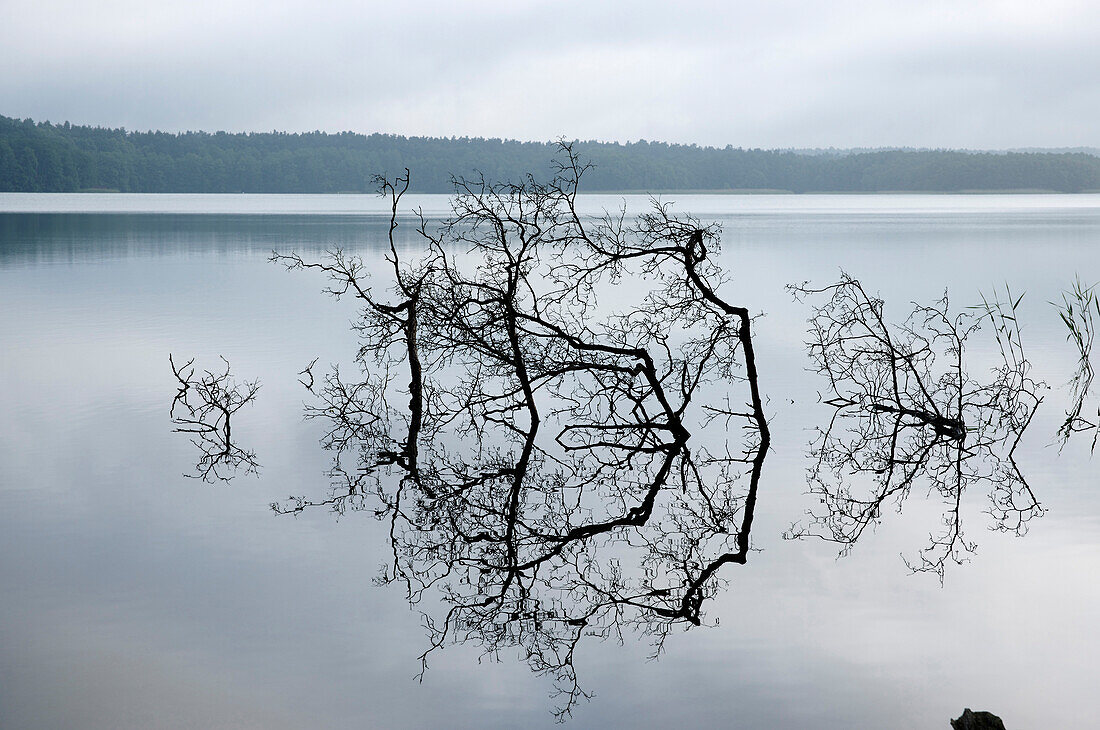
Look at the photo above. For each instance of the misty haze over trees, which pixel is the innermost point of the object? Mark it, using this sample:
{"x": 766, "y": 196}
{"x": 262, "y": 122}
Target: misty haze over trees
{"x": 45, "y": 157}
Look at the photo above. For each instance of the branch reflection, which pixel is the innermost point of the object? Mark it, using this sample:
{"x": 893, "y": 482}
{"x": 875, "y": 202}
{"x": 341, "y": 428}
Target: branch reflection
{"x": 1080, "y": 312}
{"x": 908, "y": 411}
{"x": 547, "y": 445}
{"x": 203, "y": 407}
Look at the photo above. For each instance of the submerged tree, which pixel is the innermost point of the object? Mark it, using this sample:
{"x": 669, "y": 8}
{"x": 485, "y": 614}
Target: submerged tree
{"x": 559, "y": 418}
{"x": 203, "y": 408}
{"x": 542, "y": 417}
{"x": 909, "y": 412}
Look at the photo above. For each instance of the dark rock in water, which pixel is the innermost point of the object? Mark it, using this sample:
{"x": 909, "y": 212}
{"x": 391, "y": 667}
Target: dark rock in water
{"x": 977, "y": 721}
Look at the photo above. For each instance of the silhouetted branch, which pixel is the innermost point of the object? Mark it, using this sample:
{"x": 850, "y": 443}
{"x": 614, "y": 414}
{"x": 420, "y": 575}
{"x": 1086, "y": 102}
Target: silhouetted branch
{"x": 908, "y": 412}
{"x": 307, "y": 380}
{"x": 543, "y": 482}
{"x": 1080, "y": 312}
{"x": 203, "y": 407}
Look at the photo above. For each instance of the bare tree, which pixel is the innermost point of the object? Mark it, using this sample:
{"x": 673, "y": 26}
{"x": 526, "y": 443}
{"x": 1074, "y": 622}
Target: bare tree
{"x": 543, "y": 416}
{"x": 909, "y": 412}
{"x": 203, "y": 407}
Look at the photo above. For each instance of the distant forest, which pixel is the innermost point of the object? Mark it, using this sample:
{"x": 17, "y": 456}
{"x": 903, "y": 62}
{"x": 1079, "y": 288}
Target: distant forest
{"x": 45, "y": 157}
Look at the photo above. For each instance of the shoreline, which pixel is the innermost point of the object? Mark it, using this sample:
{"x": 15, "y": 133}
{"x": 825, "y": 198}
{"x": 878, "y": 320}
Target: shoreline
{"x": 671, "y": 191}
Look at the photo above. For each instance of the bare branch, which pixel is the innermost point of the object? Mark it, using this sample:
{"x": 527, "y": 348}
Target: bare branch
{"x": 908, "y": 412}
{"x": 203, "y": 407}
{"x": 542, "y": 483}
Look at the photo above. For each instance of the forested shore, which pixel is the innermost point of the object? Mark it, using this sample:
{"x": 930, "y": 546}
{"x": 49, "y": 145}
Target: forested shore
{"x": 46, "y": 157}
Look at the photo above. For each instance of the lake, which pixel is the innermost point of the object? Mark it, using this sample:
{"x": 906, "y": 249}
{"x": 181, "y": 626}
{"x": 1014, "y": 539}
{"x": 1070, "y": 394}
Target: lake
{"x": 136, "y": 597}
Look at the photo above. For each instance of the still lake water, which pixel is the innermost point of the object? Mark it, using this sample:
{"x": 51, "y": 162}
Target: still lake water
{"x": 134, "y": 597}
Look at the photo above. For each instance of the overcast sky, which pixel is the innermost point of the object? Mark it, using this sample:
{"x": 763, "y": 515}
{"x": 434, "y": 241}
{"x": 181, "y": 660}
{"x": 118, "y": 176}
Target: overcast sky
{"x": 768, "y": 73}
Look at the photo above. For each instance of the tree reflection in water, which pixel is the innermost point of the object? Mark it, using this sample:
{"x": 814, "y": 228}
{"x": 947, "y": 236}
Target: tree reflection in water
{"x": 909, "y": 412}
{"x": 203, "y": 407}
{"x": 543, "y": 460}
{"x": 542, "y": 408}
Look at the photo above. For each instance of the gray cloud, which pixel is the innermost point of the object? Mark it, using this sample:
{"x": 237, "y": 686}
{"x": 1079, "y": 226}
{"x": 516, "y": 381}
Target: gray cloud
{"x": 983, "y": 73}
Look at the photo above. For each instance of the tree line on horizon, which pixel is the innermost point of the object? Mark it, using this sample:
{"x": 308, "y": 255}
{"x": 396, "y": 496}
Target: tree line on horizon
{"x": 47, "y": 157}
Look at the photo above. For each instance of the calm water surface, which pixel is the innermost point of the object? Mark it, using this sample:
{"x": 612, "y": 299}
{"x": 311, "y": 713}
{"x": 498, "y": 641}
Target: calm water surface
{"x": 134, "y": 597}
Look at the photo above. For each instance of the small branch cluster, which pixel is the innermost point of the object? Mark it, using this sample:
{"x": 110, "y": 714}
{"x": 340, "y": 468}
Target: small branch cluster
{"x": 203, "y": 407}
{"x": 907, "y": 411}
{"x": 1080, "y": 312}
